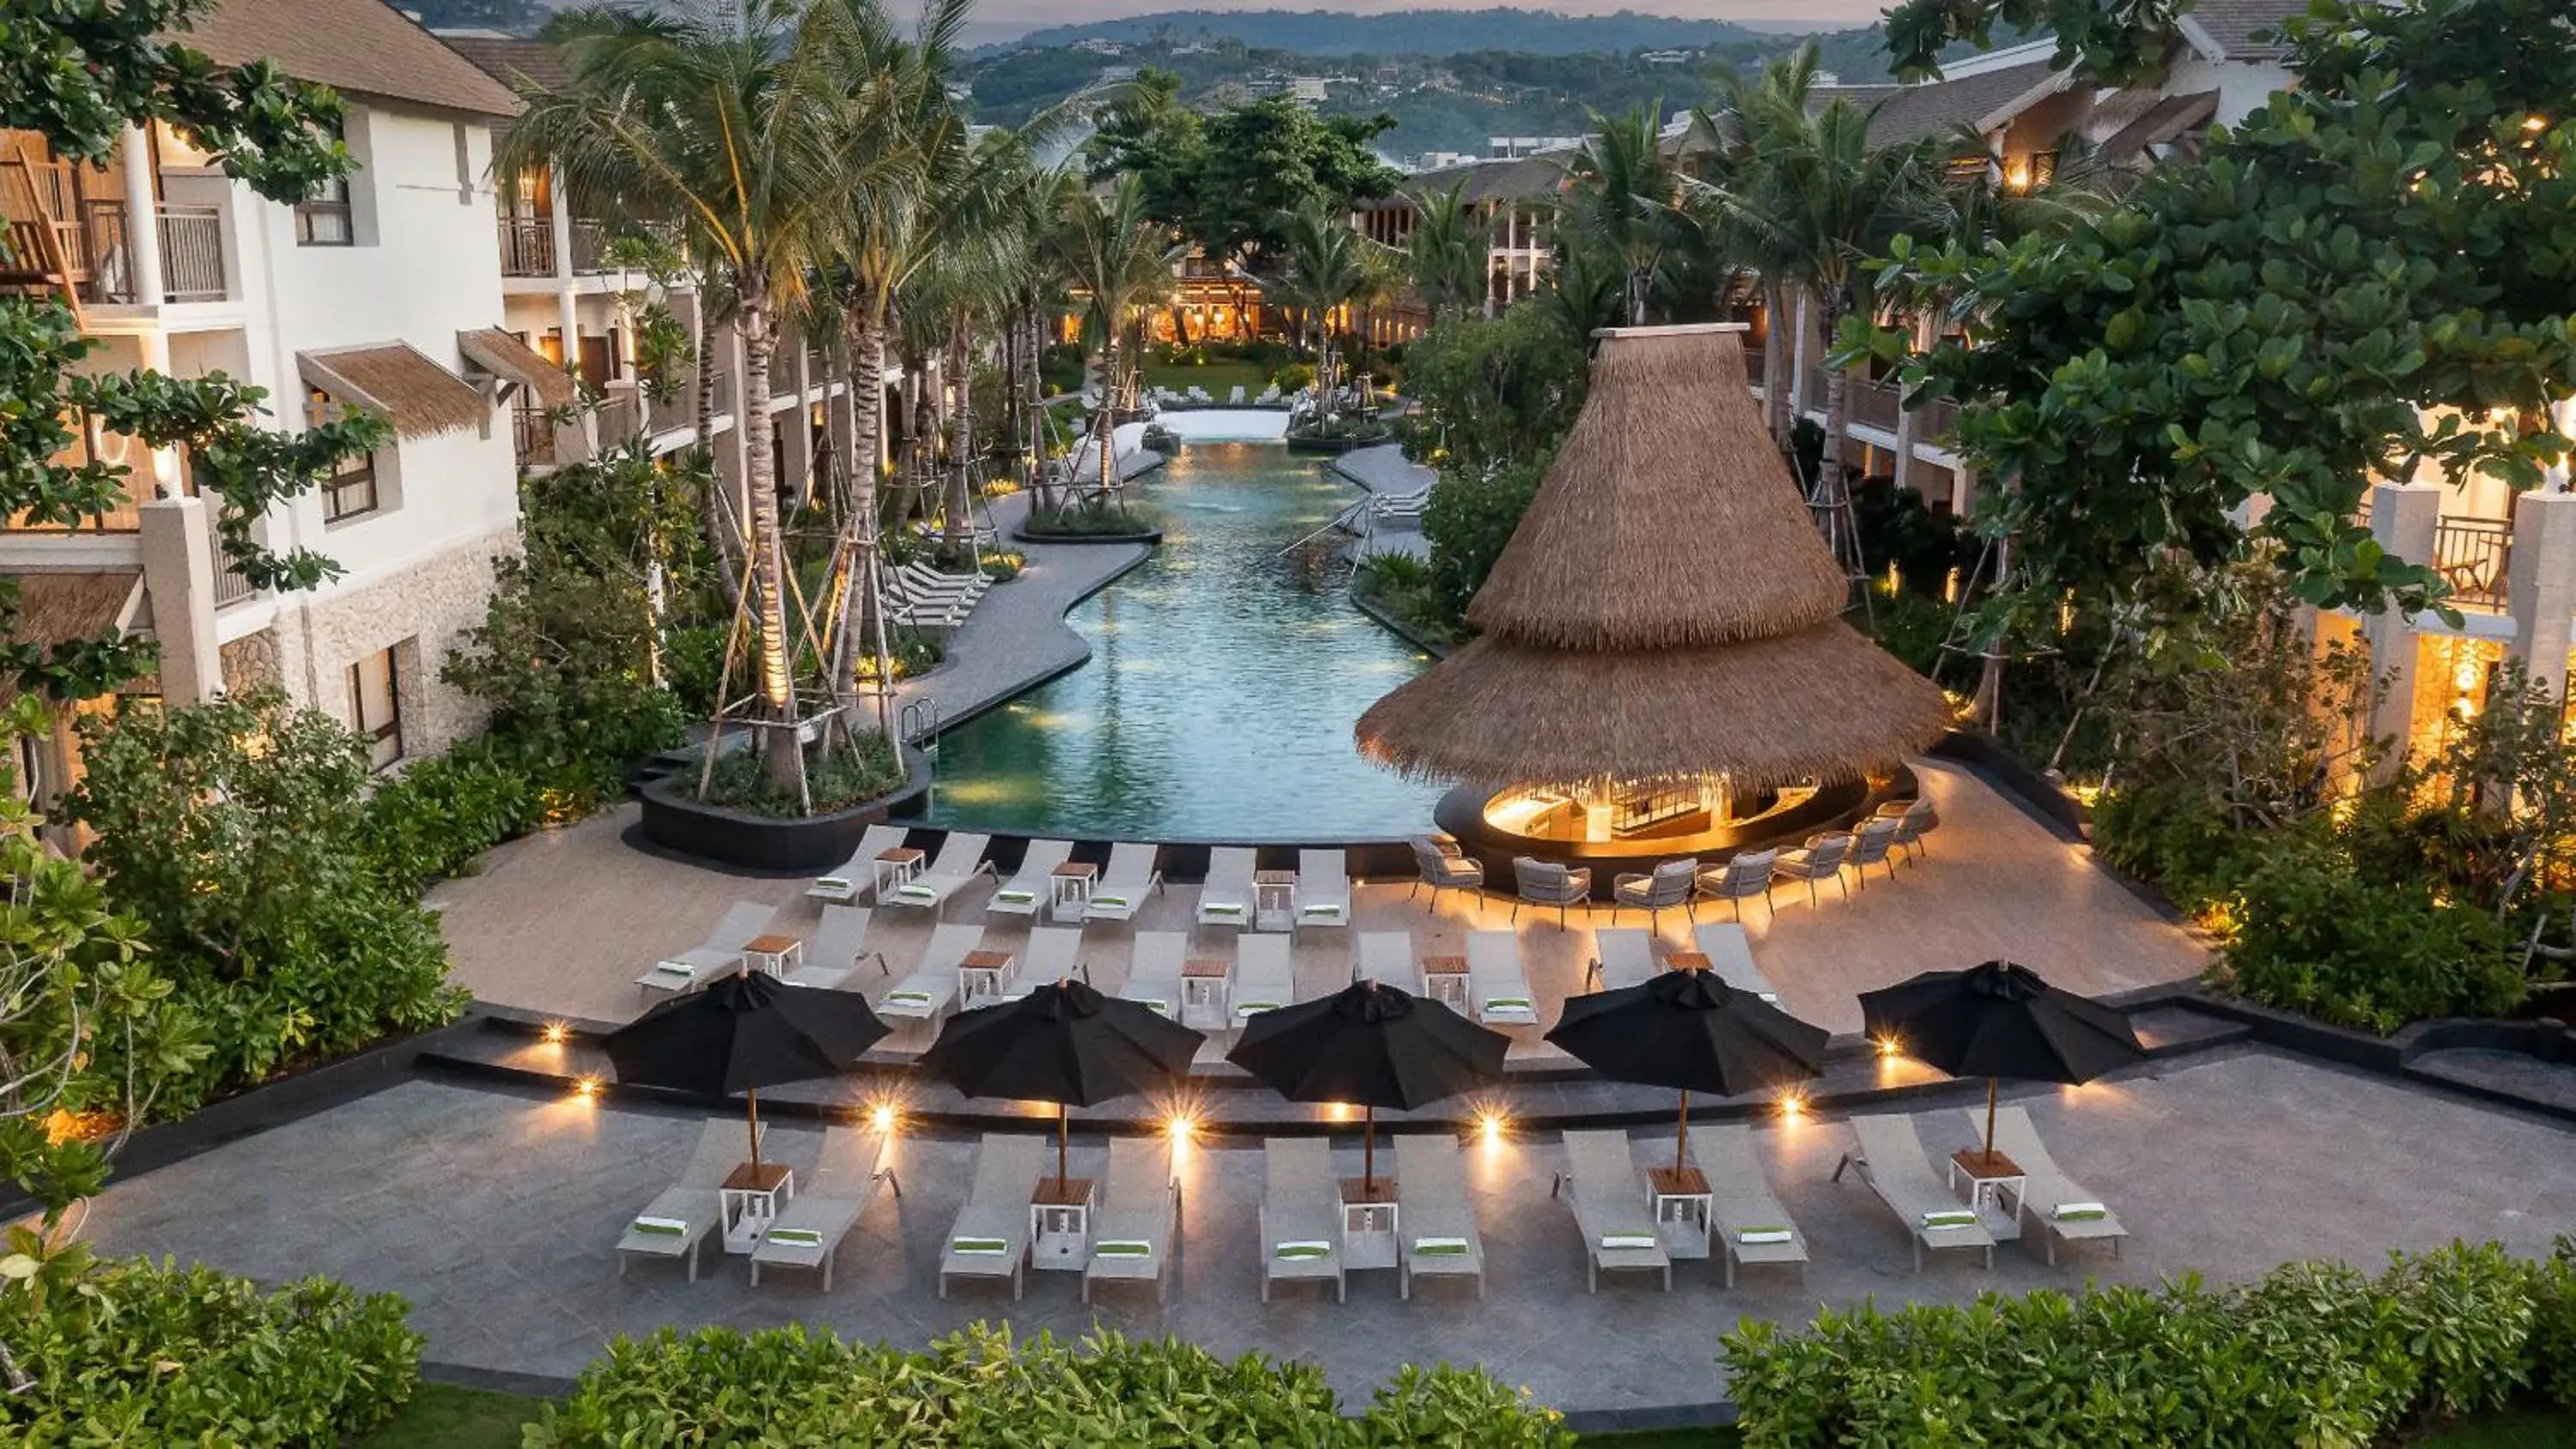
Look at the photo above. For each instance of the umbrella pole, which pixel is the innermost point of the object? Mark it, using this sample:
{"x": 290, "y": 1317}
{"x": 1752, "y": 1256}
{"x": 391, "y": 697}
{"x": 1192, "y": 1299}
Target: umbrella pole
{"x": 1063, "y": 1142}
{"x": 751, "y": 1098}
{"x": 1990, "y": 1119}
{"x": 1368, "y": 1150}
{"x": 1681, "y": 1135}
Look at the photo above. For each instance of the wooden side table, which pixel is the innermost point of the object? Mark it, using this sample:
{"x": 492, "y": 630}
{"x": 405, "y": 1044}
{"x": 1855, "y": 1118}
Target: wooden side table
{"x": 1369, "y": 1228}
{"x": 1686, "y": 961}
{"x": 1444, "y": 978}
{"x": 774, "y": 954}
{"x": 1203, "y": 984}
{"x": 1682, "y": 1203}
{"x": 1991, "y": 1177}
{"x": 979, "y": 975}
{"x": 1274, "y": 900}
{"x": 1071, "y": 883}
{"x": 896, "y": 866}
{"x": 1060, "y": 1224}
{"x": 750, "y": 1197}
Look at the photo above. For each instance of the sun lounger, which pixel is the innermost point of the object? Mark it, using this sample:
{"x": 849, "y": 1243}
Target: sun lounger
{"x": 857, "y": 876}
{"x": 1730, "y": 956}
{"x": 1497, "y": 993}
{"x": 673, "y": 1224}
{"x": 960, "y": 860}
{"x": 1891, "y": 1161}
{"x": 1226, "y": 898}
{"x": 807, "y": 1233}
{"x": 721, "y": 955}
{"x": 832, "y": 953}
{"x": 1264, "y": 978}
{"x": 1611, "y": 1208}
{"x": 1048, "y": 958}
{"x": 990, "y": 1238}
{"x": 1440, "y": 1238}
{"x": 1234, "y": 399}
{"x": 929, "y": 610}
{"x": 1386, "y": 957}
{"x": 928, "y": 581}
{"x": 1622, "y": 956}
{"x": 1301, "y": 1216}
{"x": 1140, "y": 1206}
{"x": 1154, "y": 971}
{"x": 1122, "y": 888}
{"x": 1323, "y": 888}
{"x": 1032, "y": 886}
{"x": 2064, "y": 1210}
{"x": 1742, "y": 1211}
{"x": 933, "y": 987}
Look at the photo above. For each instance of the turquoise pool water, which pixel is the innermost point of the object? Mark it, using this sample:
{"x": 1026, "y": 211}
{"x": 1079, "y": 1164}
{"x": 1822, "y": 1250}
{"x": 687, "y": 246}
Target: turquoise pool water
{"x": 1223, "y": 683}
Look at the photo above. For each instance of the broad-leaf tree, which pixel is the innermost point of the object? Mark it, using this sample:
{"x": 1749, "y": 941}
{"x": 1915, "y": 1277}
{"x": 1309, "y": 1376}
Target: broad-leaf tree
{"x": 1230, "y": 182}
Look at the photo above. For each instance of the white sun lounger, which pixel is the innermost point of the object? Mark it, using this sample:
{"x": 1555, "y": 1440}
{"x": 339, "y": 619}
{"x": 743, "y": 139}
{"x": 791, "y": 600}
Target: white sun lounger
{"x": 1122, "y": 888}
{"x": 1154, "y": 971}
{"x": 927, "y": 580}
{"x": 1623, "y": 956}
{"x": 1226, "y": 898}
{"x": 1730, "y": 956}
{"x": 807, "y": 1232}
{"x": 932, "y": 988}
{"x": 720, "y": 956}
{"x": 673, "y": 1224}
{"x": 960, "y": 860}
{"x": 857, "y": 876}
{"x": 2061, "y": 1206}
{"x": 990, "y": 1238}
{"x": 1323, "y": 888}
{"x": 1386, "y": 957}
{"x": 832, "y": 953}
{"x": 1612, "y": 1208}
{"x": 1497, "y": 993}
{"x": 1301, "y": 1216}
{"x": 1891, "y": 1161}
{"x": 1742, "y": 1210}
{"x": 1050, "y": 956}
{"x": 1440, "y": 1237}
{"x": 1032, "y": 886}
{"x": 1264, "y": 978}
{"x": 1140, "y": 1207}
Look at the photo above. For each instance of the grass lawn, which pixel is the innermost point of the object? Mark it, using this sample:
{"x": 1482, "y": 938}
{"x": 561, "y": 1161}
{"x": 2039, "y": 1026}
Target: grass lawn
{"x": 443, "y": 1416}
{"x": 1219, "y": 378}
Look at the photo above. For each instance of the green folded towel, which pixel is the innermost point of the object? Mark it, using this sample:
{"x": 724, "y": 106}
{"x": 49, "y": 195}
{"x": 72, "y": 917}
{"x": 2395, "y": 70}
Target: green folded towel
{"x": 1302, "y": 1252}
{"x": 793, "y": 1237}
{"x": 1507, "y": 1003}
{"x": 1321, "y": 910}
{"x": 661, "y": 1227}
{"x": 981, "y": 1246}
{"x": 830, "y": 883}
{"x": 912, "y": 891}
{"x": 1752, "y": 1236}
{"x": 1160, "y": 1007}
{"x": 1017, "y": 898}
{"x": 1122, "y": 1248}
{"x": 1247, "y": 1008}
{"x": 1950, "y": 1218}
{"x": 1618, "y": 1241}
{"x": 2079, "y": 1212}
{"x": 1222, "y": 908}
{"x": 915, "y": 997}
{"x": 1114, "y": 902}
{"x": 1441, "y": 1247}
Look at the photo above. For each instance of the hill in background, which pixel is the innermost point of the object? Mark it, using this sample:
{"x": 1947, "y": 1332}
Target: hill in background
{"x": 1405, "y": 32}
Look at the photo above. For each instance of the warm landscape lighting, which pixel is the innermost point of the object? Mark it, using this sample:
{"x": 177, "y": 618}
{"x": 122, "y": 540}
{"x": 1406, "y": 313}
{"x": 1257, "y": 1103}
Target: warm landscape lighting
{"x": 1793, "y": 1105}
{"x": 882, "y": 1117}
{"x": 586, "y": 1086}
{"x": 1889, "y": 1046}
{"x": 1179, "y": 1126}
{"x": 557, "y": 1033}
{"x": 1489, "y": 1126}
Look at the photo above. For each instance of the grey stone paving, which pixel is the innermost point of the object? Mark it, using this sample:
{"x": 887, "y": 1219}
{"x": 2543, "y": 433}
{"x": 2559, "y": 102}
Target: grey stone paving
{"x": 495, "y": 1215}
{"x": 1384, "y": 469}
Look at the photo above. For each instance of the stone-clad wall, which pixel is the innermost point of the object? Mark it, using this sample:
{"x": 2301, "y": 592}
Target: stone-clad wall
{"x": 421, "y": 612}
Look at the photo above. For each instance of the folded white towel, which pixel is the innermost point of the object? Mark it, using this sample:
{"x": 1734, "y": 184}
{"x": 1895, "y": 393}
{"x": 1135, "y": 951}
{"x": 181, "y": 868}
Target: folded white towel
{"x": 1949, "y": 1218}
{"x": 2079, "y": 1211}
{"x": 1302, "y": 1250}
{"x": 1619, "y": 1241}
{"x": 1016, "y": 898}
{"x": 662, "y": 1227}
{"x": 1751, "y": 1237}
{"x": 793, "y": 1237}
{"x": 1440, "y": 1247}
{"x": 831, "y": 883}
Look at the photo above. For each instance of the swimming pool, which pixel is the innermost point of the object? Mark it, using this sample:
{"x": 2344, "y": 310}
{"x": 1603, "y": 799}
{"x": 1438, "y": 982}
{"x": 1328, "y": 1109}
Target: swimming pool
{"x": 1223, "y": 683}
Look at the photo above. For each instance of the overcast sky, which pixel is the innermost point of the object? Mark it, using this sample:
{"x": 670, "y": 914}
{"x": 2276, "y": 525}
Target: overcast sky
{"x": 1021, "y": 15}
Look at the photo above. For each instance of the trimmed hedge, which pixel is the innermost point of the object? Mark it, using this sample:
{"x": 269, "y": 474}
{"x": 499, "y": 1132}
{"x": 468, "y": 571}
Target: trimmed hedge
{"x": 2315, "y": 1353}
{"x": 788, "y": 1388}
{"x": 140, "y": 1353}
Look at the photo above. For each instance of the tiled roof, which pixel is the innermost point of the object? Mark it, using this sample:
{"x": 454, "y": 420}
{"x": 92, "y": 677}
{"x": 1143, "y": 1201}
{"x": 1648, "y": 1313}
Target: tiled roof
{"x": 363, "y": 47}
{"x": 509, "y": 59}
{"x": 1909, "y": 113}
{"x": 2230, "y": 25}
{"x": 1517, "y": 180}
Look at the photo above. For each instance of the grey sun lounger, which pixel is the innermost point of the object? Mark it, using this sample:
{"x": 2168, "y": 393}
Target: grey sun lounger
{"x": 1891, "y": 1161}
{"x": 1154, "y": 971}
{"x": 1226, "y": 898}
{"x": 1301, "y": 1215}
{"x": 675, "y": 1223}
{"x": 1264, "y": 979}
{"x": 1730, "y": 958}
{"x": 807, "y": 1233}
{"x": 1440, "y": 1238}
{"x": 1622, "y": 956}
{"x": 960, "y": 860}
{"x": 1122, "y": 888}
{"x": 721, "y": 955}
{"x": 1323, "y": 888}
{"x": 857, "y": 876}
{"x": 1742, "y": 1211}
{"x": 1611, "y": 1207}
{"x": 832, "y": 953}
{"x": 990, "y": 1238}
{"x": 1032, "y": 886}
{"x": 2060, "y": 1205}
{"x": 933, "y": 988}
{"x": 1386, "y": 957}
{"x": 1497, "y": 993}
{"x": 1140, "y": 1210}
{"x": 1050, "y": 956}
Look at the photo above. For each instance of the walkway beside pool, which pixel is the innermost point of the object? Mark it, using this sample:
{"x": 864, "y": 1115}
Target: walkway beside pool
{"x": 495, "y": 1214}
{"x": 562, "y": 922}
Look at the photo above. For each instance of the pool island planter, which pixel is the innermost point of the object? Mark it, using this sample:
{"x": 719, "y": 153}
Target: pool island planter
{"x": 1320, "y": 443}
{"x": 726, "y": 835}
{"x": 1150, "y": 537}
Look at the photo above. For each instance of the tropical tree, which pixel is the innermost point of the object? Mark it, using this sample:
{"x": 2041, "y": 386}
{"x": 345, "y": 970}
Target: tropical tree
{"x": 1447, "y": 258}
{"x": 1119, "y": 260}
{"x": 1620, "y": 203}
{"x": 1328, "y": 266}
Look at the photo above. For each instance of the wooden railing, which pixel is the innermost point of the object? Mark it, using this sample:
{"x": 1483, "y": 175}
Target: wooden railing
{"x": 1874, "y": 404}
{"x": 2475, "y": 557}
{"x": 532, "y": 432}
{"x": 527, "y": 246}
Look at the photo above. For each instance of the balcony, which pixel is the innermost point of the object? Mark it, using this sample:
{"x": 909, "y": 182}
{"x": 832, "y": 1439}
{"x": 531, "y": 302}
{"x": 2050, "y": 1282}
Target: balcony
{"x": 97, "y": 259}
{"x": 533, "y": 434}
{"x": 528, "y": 246}
{"x": 92, "y": 444}
{"x": 1875, "y": 404}
{"x": 680, "y": 410}
{"x": 2474, "y": 556}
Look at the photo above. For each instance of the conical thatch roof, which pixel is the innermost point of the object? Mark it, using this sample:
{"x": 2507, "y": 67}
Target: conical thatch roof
{"x": 1665, "y": 611}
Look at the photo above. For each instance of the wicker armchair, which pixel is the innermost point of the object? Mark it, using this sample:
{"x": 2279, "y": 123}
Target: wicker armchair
{"x": 1654, "y": 892}
{"x": 1821, "y": 858}
{"x": 1740, "y": 879}
{"x": 1443, "y": 871}
{"x": 1546, "y": 883}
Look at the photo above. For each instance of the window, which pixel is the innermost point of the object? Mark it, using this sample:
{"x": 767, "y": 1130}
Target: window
{"x": 375, "y": 707}
{"x": 322, "y": 218}
{"x": 351, "y": 491}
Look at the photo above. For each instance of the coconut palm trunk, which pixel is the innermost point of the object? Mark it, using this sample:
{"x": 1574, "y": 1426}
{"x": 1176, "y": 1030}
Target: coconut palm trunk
{"x": 1775, "y": 360}
{"x": 961, "y": 445}
{"x": 782, "y": 753}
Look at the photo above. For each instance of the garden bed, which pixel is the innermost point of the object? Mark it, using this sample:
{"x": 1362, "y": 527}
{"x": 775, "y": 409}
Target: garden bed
{"x": 731, "y": 835}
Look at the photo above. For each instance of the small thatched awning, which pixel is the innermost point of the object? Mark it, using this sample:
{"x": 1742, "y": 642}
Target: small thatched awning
{"x": 396, "y": 381}
{"x": 506, "y": 357}
{"x": 58, "y": 608}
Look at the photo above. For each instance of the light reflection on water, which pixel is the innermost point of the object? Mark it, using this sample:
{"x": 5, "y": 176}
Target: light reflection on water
{"x": 1223, "y": 683}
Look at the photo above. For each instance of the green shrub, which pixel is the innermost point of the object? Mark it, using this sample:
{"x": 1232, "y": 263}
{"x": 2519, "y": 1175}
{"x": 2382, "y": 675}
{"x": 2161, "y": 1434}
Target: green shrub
{"x": 1468, "y": 522}
{"x": 867, "y": 769}
{"x": 1295, "y": 377}
{"x": 1402, "y": 587}
{"x": 2466, "y": 1315}
{"x": 2313, "y": 935}
{"x": 1091, "y": 518}
{"x": 793, "y": 1387}
{"x": 431, "y": 821}
{"x": 2173, "y": 833}
{"x": 2553, "y": 1327}
{"x": 136, "y": 1353}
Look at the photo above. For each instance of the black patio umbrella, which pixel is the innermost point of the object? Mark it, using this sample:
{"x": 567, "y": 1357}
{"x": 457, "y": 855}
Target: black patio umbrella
{"x": 1690, "y": 1031}
{"x": 1373, "y": 1044}
{"x": 743, "y": 1033}
{"x": 2000, "y": 1020}
{"x": 1063, "y": 1043}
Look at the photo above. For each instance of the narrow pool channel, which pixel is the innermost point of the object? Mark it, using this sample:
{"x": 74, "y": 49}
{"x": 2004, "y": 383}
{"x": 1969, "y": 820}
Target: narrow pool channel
{"x": 1222, "y": 687}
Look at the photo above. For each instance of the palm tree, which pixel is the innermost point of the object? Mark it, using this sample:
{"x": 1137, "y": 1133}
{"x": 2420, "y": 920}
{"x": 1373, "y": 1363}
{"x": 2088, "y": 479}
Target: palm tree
{"x": 1621, "y": 203}
{"x": 1329, "y": 266}
{"x": 1447, "y": 256}
{"x": 1119, "y": 259}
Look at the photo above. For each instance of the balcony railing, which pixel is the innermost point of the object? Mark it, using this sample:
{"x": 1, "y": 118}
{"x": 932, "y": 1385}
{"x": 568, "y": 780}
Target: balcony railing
{"x": 2474, "y": 556}
{"x": 533, "y": 433}
{"x": 681, "y": 409}
{"x": 100, "y": 263}
{"x": 527, "y": 246}
{"x": 1875, "y": 404}
{"x": 1935, "y": 421}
